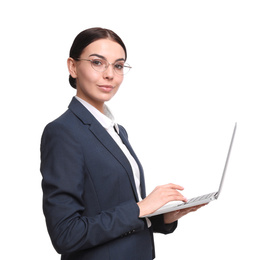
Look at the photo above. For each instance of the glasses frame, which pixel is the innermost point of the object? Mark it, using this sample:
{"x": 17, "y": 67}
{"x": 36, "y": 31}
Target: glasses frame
{"x": 126, "y": 65}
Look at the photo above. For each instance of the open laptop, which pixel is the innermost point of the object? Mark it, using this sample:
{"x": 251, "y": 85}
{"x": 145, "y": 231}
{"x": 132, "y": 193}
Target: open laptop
{"x": 200, "y": 199}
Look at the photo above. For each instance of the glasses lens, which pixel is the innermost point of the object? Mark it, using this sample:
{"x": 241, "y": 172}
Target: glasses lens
{"x": 121, "y": 68}
{"x": 99, "y": 64}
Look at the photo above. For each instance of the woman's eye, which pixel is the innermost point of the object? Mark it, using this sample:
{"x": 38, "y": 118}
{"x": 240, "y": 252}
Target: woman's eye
{"x": 97, "y": 62}
{"x": 119, "y": 66}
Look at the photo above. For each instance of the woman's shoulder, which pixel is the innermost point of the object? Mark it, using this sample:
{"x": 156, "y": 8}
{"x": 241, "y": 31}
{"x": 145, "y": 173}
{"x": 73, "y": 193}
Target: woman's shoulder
{"x": 63, "y": 120}
{"x": 62, "y": 130}
{"x": 65, "y": 123}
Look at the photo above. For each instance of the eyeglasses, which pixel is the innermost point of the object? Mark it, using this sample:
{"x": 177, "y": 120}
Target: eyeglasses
{"x": 101, "y": 65}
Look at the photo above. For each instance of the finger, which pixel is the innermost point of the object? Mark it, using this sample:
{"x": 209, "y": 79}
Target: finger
{"x": 175, "y": 186}
{"x": 200, "y": 206}
{"x": 176, "y": 195}
{"x": 195, "y": 208}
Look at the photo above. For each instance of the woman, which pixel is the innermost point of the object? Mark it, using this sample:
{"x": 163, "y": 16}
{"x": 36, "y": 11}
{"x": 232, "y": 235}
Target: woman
{"x": 93, "y": 183}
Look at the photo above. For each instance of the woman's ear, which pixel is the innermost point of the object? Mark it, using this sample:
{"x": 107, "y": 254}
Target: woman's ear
{"x": 72, "y": 67}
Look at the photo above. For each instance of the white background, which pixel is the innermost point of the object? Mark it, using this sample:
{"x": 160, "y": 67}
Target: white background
{"x": 193, "y": 76}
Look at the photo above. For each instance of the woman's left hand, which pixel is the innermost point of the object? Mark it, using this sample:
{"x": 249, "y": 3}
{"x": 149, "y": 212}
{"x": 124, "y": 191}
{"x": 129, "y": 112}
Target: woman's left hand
{"x": 175, "y": 215}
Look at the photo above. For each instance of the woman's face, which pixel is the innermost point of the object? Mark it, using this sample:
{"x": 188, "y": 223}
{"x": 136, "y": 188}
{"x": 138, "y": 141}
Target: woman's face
{"x": 93, "y": 86}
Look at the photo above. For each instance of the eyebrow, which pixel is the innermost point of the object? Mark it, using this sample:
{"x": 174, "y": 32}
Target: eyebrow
{"x": 102, "y": 57}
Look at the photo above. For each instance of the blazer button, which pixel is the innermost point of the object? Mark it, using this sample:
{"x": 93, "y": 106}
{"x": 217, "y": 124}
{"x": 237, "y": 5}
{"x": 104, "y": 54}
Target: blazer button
{"x": 131, "y": 232}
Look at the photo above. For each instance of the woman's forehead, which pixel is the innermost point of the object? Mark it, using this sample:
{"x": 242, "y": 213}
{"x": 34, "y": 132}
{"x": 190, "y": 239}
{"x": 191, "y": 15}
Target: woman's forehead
{"x": 106, "y": 48}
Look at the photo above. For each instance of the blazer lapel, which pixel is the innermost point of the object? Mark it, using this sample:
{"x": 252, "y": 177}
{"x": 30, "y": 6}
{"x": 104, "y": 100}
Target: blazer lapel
{"x": 142, "y": 179}
{"x": 103, "y": 136}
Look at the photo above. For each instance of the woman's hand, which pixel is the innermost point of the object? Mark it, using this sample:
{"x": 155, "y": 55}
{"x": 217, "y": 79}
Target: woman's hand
{"x": 159, "y": 197}
{"x": 175, "y": 215}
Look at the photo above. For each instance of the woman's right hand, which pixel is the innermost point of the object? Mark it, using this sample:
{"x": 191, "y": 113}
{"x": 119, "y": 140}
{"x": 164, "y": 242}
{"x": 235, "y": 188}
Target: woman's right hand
{"x": 159, "y": 197}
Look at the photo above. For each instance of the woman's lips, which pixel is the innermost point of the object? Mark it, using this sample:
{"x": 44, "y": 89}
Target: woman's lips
{"x": 106, "y": 88}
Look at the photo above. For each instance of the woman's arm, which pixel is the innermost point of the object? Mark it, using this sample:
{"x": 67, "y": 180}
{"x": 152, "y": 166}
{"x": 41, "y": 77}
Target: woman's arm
{"x": 63, "y": 171}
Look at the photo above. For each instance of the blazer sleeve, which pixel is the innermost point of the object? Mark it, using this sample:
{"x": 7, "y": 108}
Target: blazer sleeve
{"x": 159, "y": 226}
{"x": 62, "y": 168}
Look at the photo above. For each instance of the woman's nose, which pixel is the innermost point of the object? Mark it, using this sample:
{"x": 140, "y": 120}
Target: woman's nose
{"x": 109, "y": 72}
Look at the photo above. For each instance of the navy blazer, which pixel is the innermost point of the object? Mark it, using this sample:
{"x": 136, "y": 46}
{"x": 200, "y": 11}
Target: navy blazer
{"x": 89, "y": 194}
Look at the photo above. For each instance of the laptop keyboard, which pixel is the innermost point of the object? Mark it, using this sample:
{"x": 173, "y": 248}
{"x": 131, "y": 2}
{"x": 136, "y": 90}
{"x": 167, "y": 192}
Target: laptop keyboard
{"x": 207, "y": 196}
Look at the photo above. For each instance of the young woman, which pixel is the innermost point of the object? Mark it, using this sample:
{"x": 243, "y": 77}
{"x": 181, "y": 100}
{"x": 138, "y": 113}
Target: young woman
{"x": 93, "y": 183}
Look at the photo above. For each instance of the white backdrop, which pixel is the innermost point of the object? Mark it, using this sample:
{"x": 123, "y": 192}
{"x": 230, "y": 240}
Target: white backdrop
{"x": 193, "y": 76}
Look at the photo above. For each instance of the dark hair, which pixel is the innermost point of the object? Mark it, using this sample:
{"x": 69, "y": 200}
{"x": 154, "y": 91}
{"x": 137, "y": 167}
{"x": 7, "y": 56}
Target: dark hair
{"x": 86, "y": 37}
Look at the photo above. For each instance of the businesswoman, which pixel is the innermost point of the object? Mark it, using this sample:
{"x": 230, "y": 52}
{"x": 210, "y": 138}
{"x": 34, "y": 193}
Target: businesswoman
{"x": 94, "y": 194}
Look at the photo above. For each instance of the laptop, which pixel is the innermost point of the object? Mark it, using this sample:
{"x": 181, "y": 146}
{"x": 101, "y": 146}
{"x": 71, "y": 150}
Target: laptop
{"x": 200, "y": 199}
